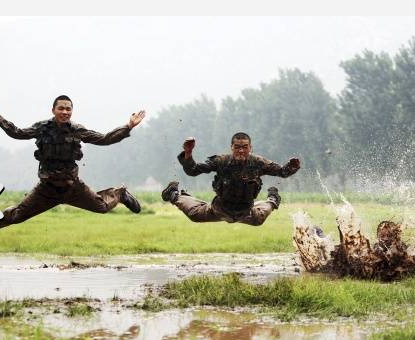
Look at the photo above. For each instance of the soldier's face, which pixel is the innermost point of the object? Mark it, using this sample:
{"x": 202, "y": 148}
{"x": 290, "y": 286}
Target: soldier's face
{"x": 62, "y": 111}
{"x": 241, "y": 148}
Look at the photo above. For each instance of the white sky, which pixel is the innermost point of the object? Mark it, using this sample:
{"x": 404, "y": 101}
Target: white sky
{"x": 112, "y": 66}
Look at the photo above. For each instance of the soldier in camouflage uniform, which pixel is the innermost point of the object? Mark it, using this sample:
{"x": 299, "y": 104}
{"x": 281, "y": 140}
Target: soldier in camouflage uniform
{"x": 237, "y": 183}
{"x": 58, "y": 142}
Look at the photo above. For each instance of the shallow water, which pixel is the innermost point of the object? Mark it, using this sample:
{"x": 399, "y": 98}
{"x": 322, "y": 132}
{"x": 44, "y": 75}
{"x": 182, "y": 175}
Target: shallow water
{"x": 113, "y": 323}
{"x": 126, "y": 277}
{"x": 129, "y": 277}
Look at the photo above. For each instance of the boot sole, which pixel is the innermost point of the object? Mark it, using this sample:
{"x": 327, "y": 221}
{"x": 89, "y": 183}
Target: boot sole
{"x": 164, "y": 192}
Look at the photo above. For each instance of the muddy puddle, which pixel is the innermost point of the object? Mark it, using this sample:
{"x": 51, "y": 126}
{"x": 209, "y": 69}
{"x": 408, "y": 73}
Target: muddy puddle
{"x": 111, "y": 286}
{"x": 115, "y": 322}
{"x": 126, "y": 277}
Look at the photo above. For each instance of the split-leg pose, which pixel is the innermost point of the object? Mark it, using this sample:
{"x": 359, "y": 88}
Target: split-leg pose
{"x": 237, "y": 183}
{"x": 58, "y": 142}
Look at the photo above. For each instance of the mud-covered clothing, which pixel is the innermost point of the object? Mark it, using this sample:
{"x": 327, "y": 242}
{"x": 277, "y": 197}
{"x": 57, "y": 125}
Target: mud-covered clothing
{"x": 45, "y": 196}
{"x": 218, "y": 162}
{"x": 236, "y": 185}
{"x": 59, "y": 147}
{"x": 200, "y": 211}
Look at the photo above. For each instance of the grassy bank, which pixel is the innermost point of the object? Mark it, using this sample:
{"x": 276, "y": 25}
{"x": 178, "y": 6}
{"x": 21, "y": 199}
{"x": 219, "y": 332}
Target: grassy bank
{"x": 163, "y": 228}
{"x": 288, "y": 298}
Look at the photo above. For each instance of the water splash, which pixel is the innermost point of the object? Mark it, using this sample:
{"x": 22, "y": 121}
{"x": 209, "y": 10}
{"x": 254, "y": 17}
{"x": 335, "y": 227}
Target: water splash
{"x": 313, "y": 246}
{"x": 325, "y": 189}
{"x": 388, "y": 258}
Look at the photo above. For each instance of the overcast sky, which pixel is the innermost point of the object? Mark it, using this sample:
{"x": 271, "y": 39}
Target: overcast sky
{"x": 113, "y": 66}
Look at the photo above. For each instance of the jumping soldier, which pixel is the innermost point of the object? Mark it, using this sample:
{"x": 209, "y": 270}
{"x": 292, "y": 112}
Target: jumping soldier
{"x": 58, "y": 142}
{"x": 237, "y": 183}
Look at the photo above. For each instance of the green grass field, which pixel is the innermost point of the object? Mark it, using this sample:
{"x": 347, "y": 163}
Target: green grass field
{"x": 314, "y": 296}
{"x": 161, "y": 227}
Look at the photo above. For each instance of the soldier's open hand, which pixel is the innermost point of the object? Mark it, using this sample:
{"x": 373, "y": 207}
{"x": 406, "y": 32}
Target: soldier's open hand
{"x": 188, "y": 146}
{"x": 136, "y": 118}
{"x": 294, "y": 163}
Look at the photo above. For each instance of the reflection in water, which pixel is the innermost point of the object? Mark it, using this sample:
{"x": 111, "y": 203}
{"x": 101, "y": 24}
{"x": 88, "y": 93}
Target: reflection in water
{"x": 106, "y": 334}
{"x": 207, "y": 330}
{"x": 114, "y": 320}
{"x": 213, "y": 331}
{"x": 201, "y": 325}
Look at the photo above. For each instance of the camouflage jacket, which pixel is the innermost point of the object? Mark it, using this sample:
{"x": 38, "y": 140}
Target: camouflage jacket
{"x": 236, "y": 184}
{"x": 59, "y": 147}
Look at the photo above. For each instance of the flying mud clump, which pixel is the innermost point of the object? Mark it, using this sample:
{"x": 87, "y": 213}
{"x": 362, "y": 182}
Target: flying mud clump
{"x": 389, "y": 258}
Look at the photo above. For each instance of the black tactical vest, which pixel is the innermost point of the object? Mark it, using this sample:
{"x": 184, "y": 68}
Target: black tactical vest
{"x": 57, "y": 146}
{"x": 237, "y": 185}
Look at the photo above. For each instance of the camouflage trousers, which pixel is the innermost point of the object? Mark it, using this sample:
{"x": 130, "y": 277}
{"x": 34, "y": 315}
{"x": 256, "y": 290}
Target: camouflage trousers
{"x": 46, "y": 196}
{"x": 200, "y": 211}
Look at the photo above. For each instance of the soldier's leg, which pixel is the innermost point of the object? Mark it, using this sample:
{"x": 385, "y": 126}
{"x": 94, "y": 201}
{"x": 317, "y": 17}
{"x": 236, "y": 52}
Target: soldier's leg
{"x": 262, "y": 209}
{"x": 258, "y": 213}
{"x": 82, "y": 196}
{"x": 195, "y": 209}
{"x": 40, "y": 199}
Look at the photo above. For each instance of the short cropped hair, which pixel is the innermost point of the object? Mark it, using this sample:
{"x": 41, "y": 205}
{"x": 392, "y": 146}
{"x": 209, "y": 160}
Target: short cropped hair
{"x": 240, "y": 135}
{"x": 62, "y": 97}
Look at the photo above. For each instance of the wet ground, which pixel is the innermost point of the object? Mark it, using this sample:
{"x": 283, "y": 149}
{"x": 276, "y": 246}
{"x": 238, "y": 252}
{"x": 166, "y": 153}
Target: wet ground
{"x": 126, "y": 277}
{"x": 117, "y": 323}
{"x": 112, "y": 285}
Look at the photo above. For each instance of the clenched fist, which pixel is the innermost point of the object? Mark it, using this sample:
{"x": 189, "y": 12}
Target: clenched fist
{"x": 188, "y": 146}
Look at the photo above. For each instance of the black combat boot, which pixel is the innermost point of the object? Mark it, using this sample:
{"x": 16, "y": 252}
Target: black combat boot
{"x": 171, "y": 193}
{"x": 274, "y": 197}
{"x": 129, "y": 201}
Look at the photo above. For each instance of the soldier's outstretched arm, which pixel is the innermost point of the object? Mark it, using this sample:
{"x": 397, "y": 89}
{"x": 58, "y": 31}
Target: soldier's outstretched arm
{"x": 114, "y": 136}
{"x": 190, "y": 167}
{"x": 274, "y": 169}
{"x": 17, "y": 133}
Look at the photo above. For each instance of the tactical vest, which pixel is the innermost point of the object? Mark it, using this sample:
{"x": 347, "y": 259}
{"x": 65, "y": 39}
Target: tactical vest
{"x": 57, "y": 145}
{"x": 237, "y": 185}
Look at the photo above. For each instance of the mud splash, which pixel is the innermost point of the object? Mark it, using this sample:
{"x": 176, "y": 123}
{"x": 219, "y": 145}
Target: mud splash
{"x": 387, "y": 259}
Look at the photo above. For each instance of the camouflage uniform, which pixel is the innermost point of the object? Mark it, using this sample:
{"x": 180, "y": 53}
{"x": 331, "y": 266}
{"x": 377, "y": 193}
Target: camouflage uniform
{"x": 58, "y": 147}
{"x": 236, "y": 186}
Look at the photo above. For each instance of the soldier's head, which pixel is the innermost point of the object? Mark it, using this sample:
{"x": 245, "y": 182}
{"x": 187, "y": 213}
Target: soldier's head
{"x": 62, "y": 109}
{"x": 241, "y": 146}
